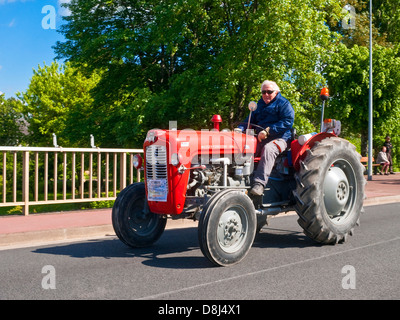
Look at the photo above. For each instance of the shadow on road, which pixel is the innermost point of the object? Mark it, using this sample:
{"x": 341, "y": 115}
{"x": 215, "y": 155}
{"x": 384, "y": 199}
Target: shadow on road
{"x": 177, "y": 248}
{"x": 282, "y": 238}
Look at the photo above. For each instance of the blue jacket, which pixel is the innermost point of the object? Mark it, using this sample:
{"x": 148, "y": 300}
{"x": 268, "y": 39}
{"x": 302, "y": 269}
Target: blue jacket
{"x": 278, "y": 115}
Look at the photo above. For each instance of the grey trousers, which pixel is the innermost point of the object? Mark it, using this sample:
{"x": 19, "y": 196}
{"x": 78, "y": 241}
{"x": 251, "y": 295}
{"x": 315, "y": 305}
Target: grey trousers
{"x": 268, "y": 153}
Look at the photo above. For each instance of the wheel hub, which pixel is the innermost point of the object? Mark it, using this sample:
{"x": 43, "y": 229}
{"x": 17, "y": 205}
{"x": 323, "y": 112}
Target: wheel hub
{"x": 230, "y": 233}
{"x": 336, "y": 191}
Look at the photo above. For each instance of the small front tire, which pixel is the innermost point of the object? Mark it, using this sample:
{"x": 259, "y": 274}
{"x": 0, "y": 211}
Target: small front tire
{"x": 227, "y": 228}
{"x": 134, "y": 224}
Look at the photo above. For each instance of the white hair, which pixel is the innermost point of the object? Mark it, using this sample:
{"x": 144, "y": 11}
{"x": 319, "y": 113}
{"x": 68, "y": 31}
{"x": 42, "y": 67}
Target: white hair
{"x": 272, "y": 84}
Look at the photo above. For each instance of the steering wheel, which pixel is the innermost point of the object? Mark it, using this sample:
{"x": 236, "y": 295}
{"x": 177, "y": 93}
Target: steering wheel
{"x": 251, "y": 125}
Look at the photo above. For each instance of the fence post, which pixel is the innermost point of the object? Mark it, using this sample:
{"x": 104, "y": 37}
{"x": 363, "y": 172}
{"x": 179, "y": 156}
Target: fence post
{"x": 25, "y": 182}
{"x": 123, "y": 171}
{"x": 4, "y": 177}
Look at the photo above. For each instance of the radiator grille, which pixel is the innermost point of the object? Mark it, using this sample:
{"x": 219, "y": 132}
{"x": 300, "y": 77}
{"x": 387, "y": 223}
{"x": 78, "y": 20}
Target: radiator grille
{"x": 156, "y": 162}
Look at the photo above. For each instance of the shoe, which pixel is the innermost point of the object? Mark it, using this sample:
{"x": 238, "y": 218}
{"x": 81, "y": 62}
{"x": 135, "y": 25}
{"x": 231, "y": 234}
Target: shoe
{"x": 391, "y": 172}
{"x": 386, "y": 174}
{"x": 380, "y": 173}
{"x": 257, "y": 189}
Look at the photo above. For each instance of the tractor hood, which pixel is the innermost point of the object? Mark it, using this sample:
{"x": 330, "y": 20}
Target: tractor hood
{"x": 188, "y": 144}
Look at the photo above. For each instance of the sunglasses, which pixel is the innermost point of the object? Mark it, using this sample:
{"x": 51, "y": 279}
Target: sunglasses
{"x": 268, "y": 91}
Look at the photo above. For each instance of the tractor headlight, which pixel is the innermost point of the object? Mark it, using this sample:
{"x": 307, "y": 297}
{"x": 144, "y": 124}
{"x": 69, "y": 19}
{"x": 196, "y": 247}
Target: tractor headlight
{"x": 137, "y": 161}
{"x": 332, "y": 126}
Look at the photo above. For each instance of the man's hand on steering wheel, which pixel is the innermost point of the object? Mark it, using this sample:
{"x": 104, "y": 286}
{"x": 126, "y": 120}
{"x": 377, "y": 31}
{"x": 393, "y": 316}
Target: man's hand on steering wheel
{"x": 263, "y": 134}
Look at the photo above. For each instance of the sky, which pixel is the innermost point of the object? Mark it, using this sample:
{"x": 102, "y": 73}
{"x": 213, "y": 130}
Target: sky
{"x": 26, "y": 39}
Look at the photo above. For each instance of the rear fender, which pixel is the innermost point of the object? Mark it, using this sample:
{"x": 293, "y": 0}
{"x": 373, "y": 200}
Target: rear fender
{"x": 299, "y": 151}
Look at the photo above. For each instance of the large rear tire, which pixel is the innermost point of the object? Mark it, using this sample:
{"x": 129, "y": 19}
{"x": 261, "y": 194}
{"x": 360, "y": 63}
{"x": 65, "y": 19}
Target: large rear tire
{"x": 330, "y": 191}
{"x": 227, "y": 227}
{"x": 135, "y": 225}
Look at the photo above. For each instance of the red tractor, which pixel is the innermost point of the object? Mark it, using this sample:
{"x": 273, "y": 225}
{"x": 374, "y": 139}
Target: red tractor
{"x": 205, "y": 175}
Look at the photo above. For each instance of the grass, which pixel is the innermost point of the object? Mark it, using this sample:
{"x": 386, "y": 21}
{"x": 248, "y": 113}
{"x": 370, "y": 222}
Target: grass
{"x": 44, "y": 208}
{"x": 18, "y": 210}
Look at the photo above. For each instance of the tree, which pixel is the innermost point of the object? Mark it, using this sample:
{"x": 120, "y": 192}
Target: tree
{"x": 385, "y": 23}
{"x": 387, "y": 17}
{"x": 57, "y": 101}
{"x": 11, "y": 123}
{"x": 347, "y": 73}
{"x": 348, "y": 76}
{"x": 188, "y": 59}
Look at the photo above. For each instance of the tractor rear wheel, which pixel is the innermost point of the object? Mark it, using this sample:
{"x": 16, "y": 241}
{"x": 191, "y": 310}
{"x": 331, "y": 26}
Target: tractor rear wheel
{"x": 227, "y": 227}
{"x": 134, "y": 224}
{"x": 330, "y": 191}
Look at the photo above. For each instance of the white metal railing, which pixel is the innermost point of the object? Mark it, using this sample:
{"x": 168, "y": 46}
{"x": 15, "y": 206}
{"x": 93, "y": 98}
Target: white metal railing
{"x": 36, "y": 176}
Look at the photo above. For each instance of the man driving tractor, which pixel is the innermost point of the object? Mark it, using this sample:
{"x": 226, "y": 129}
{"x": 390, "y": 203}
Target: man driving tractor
{"x": 275, "y": 115}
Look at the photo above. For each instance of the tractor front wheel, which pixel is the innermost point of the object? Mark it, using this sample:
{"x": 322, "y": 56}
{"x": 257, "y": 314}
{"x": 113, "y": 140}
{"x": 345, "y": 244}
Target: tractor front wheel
{"x": 227, "y": 227}
{"x": 133, "y": 222}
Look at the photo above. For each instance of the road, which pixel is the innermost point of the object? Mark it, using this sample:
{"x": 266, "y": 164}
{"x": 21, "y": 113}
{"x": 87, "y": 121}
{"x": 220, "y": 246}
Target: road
{"x": 282, "y": 264}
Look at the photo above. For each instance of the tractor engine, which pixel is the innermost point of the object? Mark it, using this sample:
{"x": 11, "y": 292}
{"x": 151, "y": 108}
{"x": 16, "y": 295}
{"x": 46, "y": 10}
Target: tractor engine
{"x": 219, "y": 173}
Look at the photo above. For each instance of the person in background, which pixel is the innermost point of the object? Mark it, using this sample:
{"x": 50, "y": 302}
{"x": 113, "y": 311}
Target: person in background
{"x": 389, "y": 148}
{"x": 383, "y": 161}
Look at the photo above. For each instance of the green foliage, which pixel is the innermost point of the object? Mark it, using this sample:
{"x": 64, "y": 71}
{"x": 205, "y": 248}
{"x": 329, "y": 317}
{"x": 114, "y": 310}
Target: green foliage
{"x": 11, "y": 122}
{"x": 57, "y": 101}
{"x": 348, "y": 76}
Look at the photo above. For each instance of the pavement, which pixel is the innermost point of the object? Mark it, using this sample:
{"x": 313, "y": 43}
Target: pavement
{"x": 41, "y": 229}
